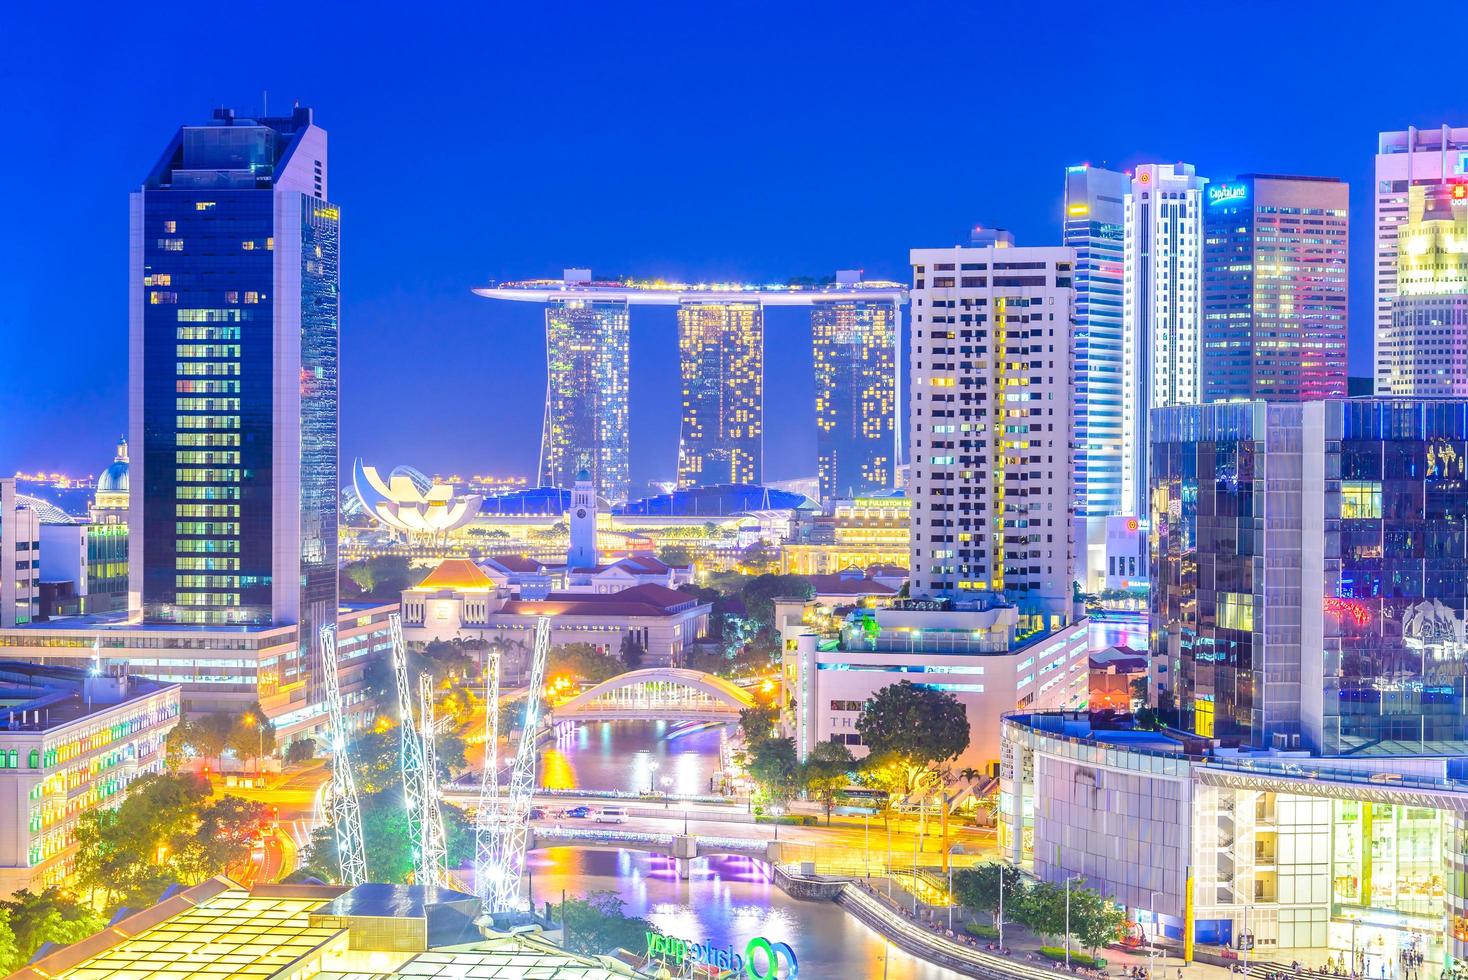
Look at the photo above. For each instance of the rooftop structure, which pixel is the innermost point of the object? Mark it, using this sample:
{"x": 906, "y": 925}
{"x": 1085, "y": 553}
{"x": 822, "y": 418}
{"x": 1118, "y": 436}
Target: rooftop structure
{"x": 322, "y": 931}
{"x": 657, "y": 292}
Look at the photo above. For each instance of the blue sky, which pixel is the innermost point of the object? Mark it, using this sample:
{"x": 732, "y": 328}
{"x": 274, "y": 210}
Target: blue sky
{"x": 472, "y": 142}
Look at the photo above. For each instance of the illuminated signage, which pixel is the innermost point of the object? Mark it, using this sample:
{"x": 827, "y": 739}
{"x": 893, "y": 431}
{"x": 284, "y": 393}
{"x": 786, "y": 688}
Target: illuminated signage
{"x": 762, "y": 959}
{"x": 1460, "y": 192}
{"x": 1219, "y": 193}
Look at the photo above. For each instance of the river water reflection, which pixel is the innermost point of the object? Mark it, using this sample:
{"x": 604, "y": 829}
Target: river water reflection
{"x": 619, "y": 755}
{"x": 727, "y": 901}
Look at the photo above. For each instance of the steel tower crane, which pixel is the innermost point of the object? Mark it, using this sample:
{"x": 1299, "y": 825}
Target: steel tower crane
{"x": 433, "y": 859}
{"x": 510, "y": 826}
{"x": 410, "y": 745}
{"x": 488, "y": 814}
{"x": 346, "y": 815}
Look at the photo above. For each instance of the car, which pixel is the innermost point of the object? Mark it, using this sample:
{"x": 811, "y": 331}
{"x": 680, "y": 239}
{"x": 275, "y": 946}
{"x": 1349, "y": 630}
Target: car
{"x": 579, "y": 811}
{"x": 610, "y": 814}
{"x": 536, "y": 813}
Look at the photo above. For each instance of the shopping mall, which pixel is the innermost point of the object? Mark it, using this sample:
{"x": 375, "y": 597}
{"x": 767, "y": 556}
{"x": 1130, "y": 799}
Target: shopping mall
{"x": 1309, "y": 581}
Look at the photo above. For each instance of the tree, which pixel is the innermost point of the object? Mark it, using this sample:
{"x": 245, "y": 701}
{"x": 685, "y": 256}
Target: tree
{"x": 772, "y": 765}
{"x": 36, "y": 918}
{"x": 221, "y": 839}
{"x": 583, "y": 662}
{"x": 599, "y": 925}
{"x": 827, "y": 772}
{"x": 1094, "y": 920}
{"x": 383, "y": 576}
{"x": 913, "y": 728}
{"x": 676, "y": 555}
{"x": 633, "y": 652}
{"x": 1041, "y": 910}
{"x": 301, "y": 750}
{"x": 251, "y": 735}
{"x": 385, "y": 843}
{"x": 977, "y": 888}
{"x": 757, "y": 722}
{"x": 210, "y": 735}
{"x": 10, "y": 958}
{"x": 178, "y": 745}
{"x": 760, "y": 593}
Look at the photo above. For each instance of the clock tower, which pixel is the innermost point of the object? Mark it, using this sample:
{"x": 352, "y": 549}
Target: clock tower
{"x": 582, "y": 553}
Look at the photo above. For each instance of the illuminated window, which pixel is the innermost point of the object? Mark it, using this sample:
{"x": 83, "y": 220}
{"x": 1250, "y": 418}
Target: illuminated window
{"x": 1203, "y": 717}
{"x": 1360, "y": 499}
{"x": 1236, "y": 611}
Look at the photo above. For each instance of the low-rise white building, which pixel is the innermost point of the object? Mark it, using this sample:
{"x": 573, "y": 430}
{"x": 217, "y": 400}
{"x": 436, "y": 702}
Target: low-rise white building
{"x": 459, "y": 599}
{"x": 70, "y": 741}
{"x": 830, "y": 673}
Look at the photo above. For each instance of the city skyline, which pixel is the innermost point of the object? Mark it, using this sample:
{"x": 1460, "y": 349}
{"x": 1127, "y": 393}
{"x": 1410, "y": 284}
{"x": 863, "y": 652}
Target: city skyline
{"x": 805, "y": 211}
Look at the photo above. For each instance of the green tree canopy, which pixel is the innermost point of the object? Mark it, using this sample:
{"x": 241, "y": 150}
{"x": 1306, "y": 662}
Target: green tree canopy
{"x": 385, "y": 843}
{"x": 1042, "y": 910}
{"x": 599, "y": 924}
{"x": 773, "y": 766}
{"x": 914, "y": 727}
{"x": 583, "y": 662}
{"x": 757, "y": 722}
{"x": 977, "y": 888}
{"x": 1094, "y": 920}
{"x": 32, "y": 919}
{"x": 826, "y": 772}
{"x": 760, "y": 593}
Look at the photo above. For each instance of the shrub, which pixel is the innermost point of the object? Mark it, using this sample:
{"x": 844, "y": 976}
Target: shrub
{"x": 789, "y": 819}
{"x": 1077, "y": 958}
{"x": 980, "y": 930}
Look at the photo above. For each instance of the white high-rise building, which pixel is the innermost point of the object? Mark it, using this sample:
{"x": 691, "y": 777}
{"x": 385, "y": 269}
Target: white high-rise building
{"x": 1404, "y": 159}
{"x": 1162, "y": 309}
{"x": 991, "y": 477}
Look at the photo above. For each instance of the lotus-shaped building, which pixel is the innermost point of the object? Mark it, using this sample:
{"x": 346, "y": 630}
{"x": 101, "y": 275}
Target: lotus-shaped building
{"x": 409, "y": 502}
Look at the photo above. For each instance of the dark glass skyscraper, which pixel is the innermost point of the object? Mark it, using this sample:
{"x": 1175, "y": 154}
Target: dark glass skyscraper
{"x": 234, "y": 320}
{"x": 587, "y": 373}
{"x": 854, "y": 349}
{"x": 1310, "y": 573}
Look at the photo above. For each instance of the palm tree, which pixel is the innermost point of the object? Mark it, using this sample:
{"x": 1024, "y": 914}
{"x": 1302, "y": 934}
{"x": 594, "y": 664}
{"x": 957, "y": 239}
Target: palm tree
{"x": 970, "y": 774}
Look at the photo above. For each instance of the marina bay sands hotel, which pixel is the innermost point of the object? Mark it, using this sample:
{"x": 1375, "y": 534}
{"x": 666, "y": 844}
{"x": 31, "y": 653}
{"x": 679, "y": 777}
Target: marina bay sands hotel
{"x": 856, "y": 331}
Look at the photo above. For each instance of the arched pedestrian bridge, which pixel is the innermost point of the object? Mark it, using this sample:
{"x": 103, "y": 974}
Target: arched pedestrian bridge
{"x": 671, "y": 693}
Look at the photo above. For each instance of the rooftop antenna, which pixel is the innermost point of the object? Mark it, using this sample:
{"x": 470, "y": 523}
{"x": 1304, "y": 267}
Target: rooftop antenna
{"x": 264, "y": 102}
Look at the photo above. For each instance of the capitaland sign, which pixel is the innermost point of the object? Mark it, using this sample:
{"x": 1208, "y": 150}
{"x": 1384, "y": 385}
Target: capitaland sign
{"x": 761, "y": 959}
{"x": 1222, "y": 193}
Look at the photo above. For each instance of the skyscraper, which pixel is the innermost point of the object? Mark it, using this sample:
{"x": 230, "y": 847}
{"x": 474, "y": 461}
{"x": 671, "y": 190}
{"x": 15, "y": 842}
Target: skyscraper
{"x": 854, "y": 348}
{"x": 587, "y": 369}
{"x": 721, "y": 347}
{"x": 1162, "y": 309}
{"x": 1275, "y": 288}
{"x": 1311, "y": 575}
{"x": 233, "y": 380}
{"x": 1405, "y": 159}
{"x": 1423, "y": 353}
{"x": 1095, "y": 218}
{"x": 991, "y": 424}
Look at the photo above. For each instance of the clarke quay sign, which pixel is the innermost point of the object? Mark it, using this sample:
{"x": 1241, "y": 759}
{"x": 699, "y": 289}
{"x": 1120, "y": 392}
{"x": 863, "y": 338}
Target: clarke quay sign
{"x": 761, "y": 960}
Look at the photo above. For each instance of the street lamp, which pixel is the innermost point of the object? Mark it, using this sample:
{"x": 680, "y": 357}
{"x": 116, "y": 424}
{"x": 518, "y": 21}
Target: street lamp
{"x": 1152, "y": 946}
{"x": 956, "y": 845}
{"x": 866, "y": 843}
{"x": 686, "y": 806}
{"x": 1000, "y": 923}
{"x": 667, "y": 782}
{"x": 259, "y": 727}
{"x": 777, "y": 810}
{"x": 652, "y": 768}
{"x": 1068, "y": 880}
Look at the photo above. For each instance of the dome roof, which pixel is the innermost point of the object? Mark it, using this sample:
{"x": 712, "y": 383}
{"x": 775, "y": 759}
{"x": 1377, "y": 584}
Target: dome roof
{"x": 113, "y": 479}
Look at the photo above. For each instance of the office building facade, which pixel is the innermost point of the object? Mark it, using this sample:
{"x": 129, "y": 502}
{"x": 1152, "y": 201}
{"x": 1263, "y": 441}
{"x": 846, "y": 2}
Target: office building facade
{"x": 1275, "y": 288}
{"x": 20, "y": 558}
{"x": 1162, "y": 309}
{"x": 855, "y": 352}
{"x": 1423, "y": 353}
{"x": 1405, "y": 159}
{"x": 233, "y": 389}
{"x": 587, "y": 350}
{"x": 1095, "y": 221}
{"x": 721, "y": 358}
{"x": 1311, "y": 573}
{"x": 991, "y": 424}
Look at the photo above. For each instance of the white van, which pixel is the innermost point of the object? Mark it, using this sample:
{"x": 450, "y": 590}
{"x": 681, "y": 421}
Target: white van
{"x": 610, "y": 814}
